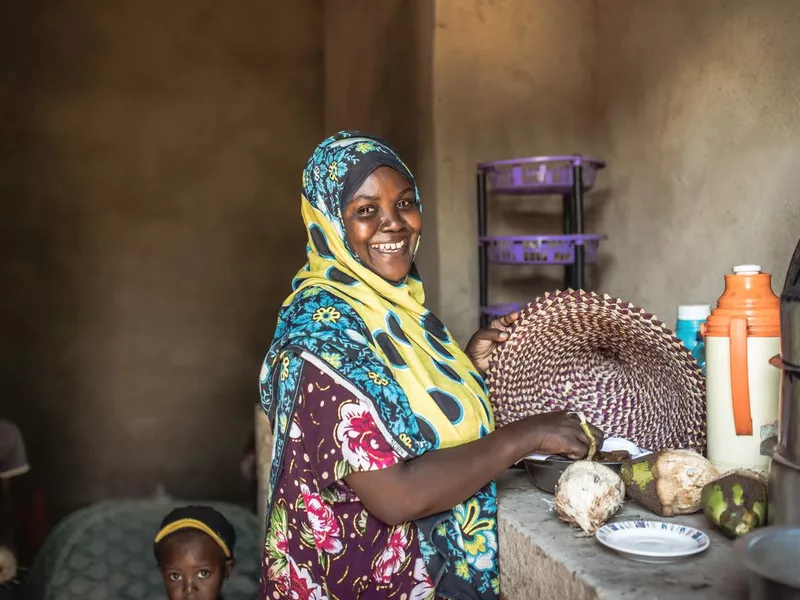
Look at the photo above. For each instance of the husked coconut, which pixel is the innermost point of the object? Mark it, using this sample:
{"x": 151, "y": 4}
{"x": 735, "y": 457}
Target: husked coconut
{"x": 588, "y": 494}
{"x": 669, "y": 482}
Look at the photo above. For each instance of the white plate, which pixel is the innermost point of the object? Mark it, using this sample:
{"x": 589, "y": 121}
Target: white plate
{"x": 652, "y": 541}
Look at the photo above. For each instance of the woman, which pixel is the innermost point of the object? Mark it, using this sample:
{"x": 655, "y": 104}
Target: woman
{"x": 385, "y": 449}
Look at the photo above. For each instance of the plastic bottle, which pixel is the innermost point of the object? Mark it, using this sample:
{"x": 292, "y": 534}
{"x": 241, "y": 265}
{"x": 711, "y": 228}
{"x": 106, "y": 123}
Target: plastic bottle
{"x": 690, "y": 319}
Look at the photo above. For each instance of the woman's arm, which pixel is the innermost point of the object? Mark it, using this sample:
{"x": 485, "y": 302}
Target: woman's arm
{"x": 441, "y": 479}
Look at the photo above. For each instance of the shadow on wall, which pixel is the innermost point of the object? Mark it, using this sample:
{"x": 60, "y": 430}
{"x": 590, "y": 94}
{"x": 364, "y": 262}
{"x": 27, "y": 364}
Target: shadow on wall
{"x": 44, "y": 306}
{"x": 150, "y": 164}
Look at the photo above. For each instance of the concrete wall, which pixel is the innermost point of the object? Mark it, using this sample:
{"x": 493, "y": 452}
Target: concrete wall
{"x": 693, "y": 104}
{"x": 511, "y": 78}
{"x": 150, "y": 159}
{"x": 702, "y": 122}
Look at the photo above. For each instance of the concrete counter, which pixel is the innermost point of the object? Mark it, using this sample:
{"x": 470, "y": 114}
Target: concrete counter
{"x": 541, "y": 557}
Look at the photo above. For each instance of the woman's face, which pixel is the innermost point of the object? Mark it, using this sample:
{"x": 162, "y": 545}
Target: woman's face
{"x": 383, "y": 223}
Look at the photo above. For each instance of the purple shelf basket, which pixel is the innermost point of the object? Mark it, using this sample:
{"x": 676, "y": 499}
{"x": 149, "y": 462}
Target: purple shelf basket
{"x": 500, "y": 310}
{"x": 541, "y": 249}
{"x": 539, "y": 174}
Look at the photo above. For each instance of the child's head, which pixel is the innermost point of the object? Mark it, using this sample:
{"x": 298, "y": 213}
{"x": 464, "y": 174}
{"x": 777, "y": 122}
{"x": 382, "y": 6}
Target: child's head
{"x": 194, "y": 551}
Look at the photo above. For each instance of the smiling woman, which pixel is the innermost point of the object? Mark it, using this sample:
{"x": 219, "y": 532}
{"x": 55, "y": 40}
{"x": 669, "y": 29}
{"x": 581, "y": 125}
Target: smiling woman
{"x": 381, "y": 484}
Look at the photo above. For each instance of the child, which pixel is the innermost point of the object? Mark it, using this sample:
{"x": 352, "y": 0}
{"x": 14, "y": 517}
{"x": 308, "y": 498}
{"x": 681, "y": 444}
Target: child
{"x": 194, "y": 552}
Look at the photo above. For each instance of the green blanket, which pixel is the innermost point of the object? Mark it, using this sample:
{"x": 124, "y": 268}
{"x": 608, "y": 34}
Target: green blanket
{"x": 105, "y": 552}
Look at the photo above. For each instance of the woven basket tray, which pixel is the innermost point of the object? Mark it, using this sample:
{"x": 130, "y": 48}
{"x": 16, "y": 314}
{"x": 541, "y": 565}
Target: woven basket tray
{"x": 619, "y": 365}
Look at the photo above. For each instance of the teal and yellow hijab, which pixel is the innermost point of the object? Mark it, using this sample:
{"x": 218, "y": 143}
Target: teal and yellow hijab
{"x": 379, "y": 340}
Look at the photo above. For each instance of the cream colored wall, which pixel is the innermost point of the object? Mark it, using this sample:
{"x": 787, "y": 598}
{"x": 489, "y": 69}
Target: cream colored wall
{"x": 702, "y": 130}
{"x": 150, "y": 158}
{"x": 693, "y": 104}
{"x": 511, "y": 78}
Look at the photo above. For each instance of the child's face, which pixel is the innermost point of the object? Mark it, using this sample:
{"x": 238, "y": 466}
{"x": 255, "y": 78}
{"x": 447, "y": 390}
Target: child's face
{"x": 194, "y": 569}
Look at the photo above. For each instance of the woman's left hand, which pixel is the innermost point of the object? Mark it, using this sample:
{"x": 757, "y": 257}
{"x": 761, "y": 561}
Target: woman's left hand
{"x": 481, "y": 344}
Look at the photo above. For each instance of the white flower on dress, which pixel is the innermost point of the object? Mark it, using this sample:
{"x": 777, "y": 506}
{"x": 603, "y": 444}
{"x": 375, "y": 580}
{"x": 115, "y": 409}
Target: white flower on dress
{"x": 424, "y": 588}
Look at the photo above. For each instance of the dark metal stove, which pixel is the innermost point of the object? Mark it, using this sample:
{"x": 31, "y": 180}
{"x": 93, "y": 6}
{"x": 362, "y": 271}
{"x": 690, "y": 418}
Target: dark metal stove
{"x": 784, "y": 476}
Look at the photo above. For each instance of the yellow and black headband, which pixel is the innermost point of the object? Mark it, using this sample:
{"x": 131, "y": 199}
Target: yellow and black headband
{"x": 201, "y": 518}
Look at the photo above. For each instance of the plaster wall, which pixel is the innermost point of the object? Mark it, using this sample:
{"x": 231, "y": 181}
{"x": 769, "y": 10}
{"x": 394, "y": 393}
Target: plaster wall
{"x": 693, "y": 105}
{"x": 150, "y": 154}
{"x": 511, "y": 78}
{"x": 701, "y": 122}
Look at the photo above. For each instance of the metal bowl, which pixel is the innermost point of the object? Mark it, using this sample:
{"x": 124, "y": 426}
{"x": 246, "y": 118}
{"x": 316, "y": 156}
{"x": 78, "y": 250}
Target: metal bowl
{"x": 771, "y": 555}
{"x": 546, "y": 473}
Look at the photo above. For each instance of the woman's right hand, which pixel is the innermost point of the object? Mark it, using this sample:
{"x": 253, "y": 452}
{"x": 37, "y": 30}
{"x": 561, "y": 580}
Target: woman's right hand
{"x": 448, "y": 476}
{"x": 558, "y": 433}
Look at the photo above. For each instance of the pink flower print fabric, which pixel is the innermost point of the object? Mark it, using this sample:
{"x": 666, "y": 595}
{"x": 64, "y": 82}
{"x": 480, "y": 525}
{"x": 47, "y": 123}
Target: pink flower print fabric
{"x": 321, "y": 542}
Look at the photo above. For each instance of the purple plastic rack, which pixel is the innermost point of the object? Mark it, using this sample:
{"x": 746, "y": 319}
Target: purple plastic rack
{"x": 500, "y": 310}
{"x": 541, "y": 249}
{"x": 539, "y": 174}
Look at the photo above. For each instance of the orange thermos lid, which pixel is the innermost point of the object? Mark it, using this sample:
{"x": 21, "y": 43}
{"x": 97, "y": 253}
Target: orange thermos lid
{"x": 748, "y": 297}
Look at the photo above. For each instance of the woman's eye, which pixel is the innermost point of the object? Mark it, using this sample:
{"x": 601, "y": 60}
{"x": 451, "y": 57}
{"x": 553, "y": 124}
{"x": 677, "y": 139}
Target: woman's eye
{"x": 204, "y": 574}
{"x": 366, "y": 210}
{"x": 174, "y": 576}
{"x": 405, "y": 203}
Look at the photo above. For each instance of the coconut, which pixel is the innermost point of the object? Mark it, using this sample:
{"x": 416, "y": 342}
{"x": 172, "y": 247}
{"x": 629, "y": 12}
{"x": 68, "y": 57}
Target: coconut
{"x": 669, "y": 482}
{"x": 588, "y": 494}
{"x": 736, "y": 503}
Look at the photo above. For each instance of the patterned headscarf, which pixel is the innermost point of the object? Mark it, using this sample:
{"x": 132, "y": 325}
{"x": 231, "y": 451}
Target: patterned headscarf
{"x": 380, "y": 342}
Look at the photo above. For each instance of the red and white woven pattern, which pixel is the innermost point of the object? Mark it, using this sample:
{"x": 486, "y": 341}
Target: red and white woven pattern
{"x": 619, "y": 365}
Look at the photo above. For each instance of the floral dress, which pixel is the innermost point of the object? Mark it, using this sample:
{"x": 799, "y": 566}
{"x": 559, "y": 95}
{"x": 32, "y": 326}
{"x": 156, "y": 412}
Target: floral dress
{"x": 321, "y": 542}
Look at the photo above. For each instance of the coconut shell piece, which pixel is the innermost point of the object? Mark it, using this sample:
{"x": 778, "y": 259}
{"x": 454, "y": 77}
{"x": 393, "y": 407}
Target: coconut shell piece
{"x": 736, "y": 503}
{"x": 605, "y": 358}
{"x": 669, "y": 482}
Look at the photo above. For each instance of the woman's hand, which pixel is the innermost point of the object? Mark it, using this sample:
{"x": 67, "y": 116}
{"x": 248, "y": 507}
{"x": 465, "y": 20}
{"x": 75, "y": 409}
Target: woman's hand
{"x": 558, "y": 433}
{"x": 481, "y": 345}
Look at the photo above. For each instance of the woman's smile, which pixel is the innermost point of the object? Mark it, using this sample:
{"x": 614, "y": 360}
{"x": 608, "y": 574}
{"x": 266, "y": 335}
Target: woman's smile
{"x": 390, "y": 248}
